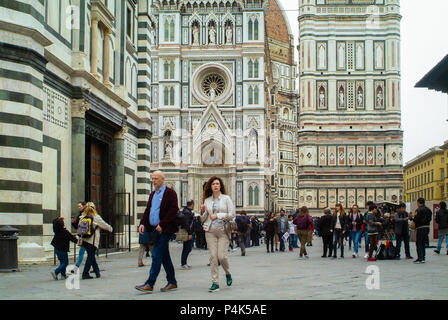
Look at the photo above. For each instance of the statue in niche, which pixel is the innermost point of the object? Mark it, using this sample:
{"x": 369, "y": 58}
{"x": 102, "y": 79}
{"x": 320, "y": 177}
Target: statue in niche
{"x": 229, "y": 35}
{"x": 360, "y": 97}
{"x": 168, "y": 150}
{"x": 341, "y": 97}
{"x": 213, "y": 159}
{"x": 253, "y": 144}
{"x": 379, "y": 97}
{"x": 212, "y": 34}
{"x": 195, "y": 35}
{"x": 322, "y": 97}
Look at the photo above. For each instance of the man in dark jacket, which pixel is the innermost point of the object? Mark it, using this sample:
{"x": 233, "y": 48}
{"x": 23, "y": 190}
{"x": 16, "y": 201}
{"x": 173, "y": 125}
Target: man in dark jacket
{"x": 325, "y": 227}
{"x": 422, "y": 221}
{"x": 188, "y": 245}
{"x": 61, "y": 244}
{"x": 401, "y": 219}
{"x": 199, "y": 234}
{"x": 255, "y": 231}
{"x": 75, "y": 221}
{"x": 243, "y": 226}
{"x": 442, "y": 222}
{"x": 159, "y": 219}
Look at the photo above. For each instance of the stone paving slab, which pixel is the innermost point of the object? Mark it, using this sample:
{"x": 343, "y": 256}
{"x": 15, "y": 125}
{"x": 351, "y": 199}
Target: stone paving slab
{"x": 257, "y": 276}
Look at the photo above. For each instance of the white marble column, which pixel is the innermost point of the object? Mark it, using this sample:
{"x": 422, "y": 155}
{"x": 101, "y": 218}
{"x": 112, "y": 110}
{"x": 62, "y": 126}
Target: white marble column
{"x": 94, "y": 48}
{"x": 106, "y": 64}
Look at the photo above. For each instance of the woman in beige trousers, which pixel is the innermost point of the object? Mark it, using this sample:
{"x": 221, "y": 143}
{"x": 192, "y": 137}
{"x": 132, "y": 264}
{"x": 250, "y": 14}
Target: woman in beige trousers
{"x": 216, "y": 214}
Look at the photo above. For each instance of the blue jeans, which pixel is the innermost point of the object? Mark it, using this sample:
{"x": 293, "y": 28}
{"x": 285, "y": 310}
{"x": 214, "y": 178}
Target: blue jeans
{"x": 161, "y": 255}
{"x": 439, "y": 244}
{"x": 367, "y": 241}
{"x": 91, "y": 260}
{"x": 405, "y": 239}
{"x": 355, "y": 236}
{"x": 63, "y": 259}
{"x": 282, "y": 243}
{"x": 292, "y": 239}
{"x": 188, "y": 245}
{"x": 80, "y": 256}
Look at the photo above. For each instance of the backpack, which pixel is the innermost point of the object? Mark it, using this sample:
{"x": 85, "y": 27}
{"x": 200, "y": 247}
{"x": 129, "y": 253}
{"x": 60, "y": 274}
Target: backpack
{"x": 303, "y": 223}
{"x": 391, "y": 252}
{"x": 382, "y": 254}
{"x": 242, "y": 225}
{"x": 85, "y": 227}
{"x": 180, "y": 220}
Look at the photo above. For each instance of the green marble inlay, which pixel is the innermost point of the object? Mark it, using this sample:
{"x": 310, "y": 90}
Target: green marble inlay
{"x": 21, "y": 98}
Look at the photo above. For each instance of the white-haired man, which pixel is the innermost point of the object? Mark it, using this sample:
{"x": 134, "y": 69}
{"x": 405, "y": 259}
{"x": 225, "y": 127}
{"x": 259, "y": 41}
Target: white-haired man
{"x": 158, "y": 220}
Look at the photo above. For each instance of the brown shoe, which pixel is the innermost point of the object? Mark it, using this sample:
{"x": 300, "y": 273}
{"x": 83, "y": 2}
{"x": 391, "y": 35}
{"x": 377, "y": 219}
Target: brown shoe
{"x": 141, "y": 265}
{"x": 144, "y": 288}
{"x": 169, "y": 287}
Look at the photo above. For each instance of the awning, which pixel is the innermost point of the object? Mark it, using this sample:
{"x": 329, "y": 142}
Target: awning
{"x": 437, "y": 78}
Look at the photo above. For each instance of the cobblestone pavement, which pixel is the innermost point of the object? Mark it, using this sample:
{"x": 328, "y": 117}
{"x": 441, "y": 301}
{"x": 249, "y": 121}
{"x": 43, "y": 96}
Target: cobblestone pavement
{"x": 258, "y": 275}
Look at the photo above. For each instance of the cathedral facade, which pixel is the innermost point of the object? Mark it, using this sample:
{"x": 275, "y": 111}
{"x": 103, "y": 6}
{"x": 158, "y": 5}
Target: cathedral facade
{"x": 210, "y": 100}
{"x": 350, "y": 136}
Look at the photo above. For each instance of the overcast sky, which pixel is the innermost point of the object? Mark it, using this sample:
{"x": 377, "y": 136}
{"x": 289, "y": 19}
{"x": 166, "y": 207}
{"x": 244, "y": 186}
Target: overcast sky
{"x": 424, "y": 42}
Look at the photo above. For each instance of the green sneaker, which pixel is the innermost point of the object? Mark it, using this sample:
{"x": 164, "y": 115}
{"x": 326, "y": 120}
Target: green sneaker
{"x": 214, "y": 287}
{"x": 229, "y": 279}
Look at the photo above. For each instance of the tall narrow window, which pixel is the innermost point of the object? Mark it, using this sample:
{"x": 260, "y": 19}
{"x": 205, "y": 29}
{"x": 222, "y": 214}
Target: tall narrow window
{"x": 172, "y": 70}
{"x": 251, "y": 69}
{"x": 166, "y": 67}
{"x": 251, "y": 196}
{"x": 167, "y": 31}
{"x": 251, "y": 95}
{"x": 256, "y": 94}
{"x": 172, "y": 30}
{"x": 256, "y": 69}
{"x": 171, "y": 96}
{"x": 256, "y": 29}
{"x": 129, "y": 23}
{"x": 256, "y": 196}
{"x": 251, "y": 30}
{"x": 166, "y": 94}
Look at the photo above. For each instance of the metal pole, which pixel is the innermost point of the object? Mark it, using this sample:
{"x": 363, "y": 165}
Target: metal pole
{"x": 129, "y": 222}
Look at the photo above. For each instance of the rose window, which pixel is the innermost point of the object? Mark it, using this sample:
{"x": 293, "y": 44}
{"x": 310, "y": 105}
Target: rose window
{"x": 215, "y": 82}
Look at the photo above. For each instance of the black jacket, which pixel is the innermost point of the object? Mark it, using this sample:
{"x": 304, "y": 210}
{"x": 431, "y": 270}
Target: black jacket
{"x": 325, "y": 225}
{"x": 401, "y": 226}
{"x": 342, "y": 220}
{"x": 188, "y": 213}
{"x": 442, "y": 219}
{"x": 359, "y": 222}
{"x": 62, "y": 237}
{"x": 423, "y": 217}
{"x": 76, "y": 223}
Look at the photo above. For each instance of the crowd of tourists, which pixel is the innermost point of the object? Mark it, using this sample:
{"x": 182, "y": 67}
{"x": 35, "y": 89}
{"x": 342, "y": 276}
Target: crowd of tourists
{"x": 219, "y": 230}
